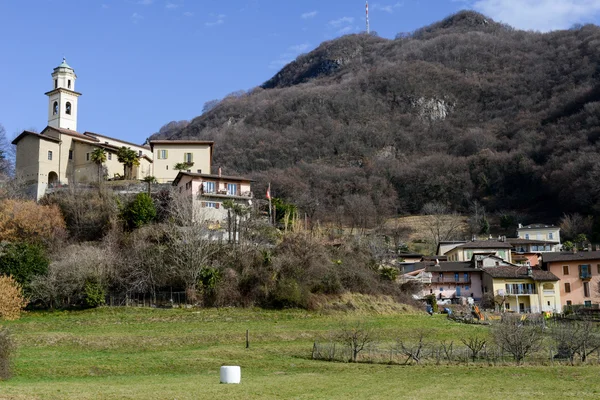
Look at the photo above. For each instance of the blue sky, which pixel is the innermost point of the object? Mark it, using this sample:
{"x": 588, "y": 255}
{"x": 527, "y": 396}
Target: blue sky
{"x": 143, "y": 63}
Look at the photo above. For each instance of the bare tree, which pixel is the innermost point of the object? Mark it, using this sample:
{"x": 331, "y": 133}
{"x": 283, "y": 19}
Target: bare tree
{"x": 517, "y": 337}
{"x": 441, "y": 224}
{"x": 356, "y": 337}
{"x": 475, "y": 343}
{"x": 572, "y": 225}
{"x": 190, "y": 247}
{"x": 576, "y": 338}
{"x": 414, "y": 351}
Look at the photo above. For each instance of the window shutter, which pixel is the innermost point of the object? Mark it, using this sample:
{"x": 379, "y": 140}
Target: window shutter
{"x": 166, "y": 154}
{"x": 239, "y": 189}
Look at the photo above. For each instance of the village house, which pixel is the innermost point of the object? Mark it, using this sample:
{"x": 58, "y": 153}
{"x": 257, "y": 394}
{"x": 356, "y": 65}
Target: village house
{"x": 548, "y": 235}
{"x": 579, "y": 273}
{"x": 209, "y": 192}
{"x": 465, "y": 251}
{"x": 529, "y": 251}
{"x": 521, "y": 289}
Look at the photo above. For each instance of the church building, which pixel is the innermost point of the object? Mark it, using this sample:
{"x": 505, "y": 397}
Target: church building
{"x": 61, "y": 155}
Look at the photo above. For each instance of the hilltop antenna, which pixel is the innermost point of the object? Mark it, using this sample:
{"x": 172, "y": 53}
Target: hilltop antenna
{"x": 367, "y": 11}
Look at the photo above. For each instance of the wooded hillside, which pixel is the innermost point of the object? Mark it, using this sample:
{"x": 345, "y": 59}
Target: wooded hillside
{"x": 465, "y": 109}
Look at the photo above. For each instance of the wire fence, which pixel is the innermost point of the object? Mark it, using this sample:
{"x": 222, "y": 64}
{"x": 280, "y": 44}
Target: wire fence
{"x": 158, "y": 299}
{"x": 448, "y": 353}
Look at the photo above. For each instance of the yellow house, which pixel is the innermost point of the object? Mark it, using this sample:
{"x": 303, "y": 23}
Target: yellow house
{"x": 522, "y": 289}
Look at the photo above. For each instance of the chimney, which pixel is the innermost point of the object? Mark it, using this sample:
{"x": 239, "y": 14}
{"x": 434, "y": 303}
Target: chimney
{"x": 437, "y": 262}
{"x": 520, "y": 226}
{"x": 589, "y": 248}
{"x": 219, "y": 172}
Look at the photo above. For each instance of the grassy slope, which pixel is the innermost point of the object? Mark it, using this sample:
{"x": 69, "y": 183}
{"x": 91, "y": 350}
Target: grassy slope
{"x": 159, "y": 354}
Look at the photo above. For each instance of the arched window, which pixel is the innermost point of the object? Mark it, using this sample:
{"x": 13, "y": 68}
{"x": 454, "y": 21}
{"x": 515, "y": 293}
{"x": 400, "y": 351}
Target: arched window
{"x": 55, "y": 108}
{"x": 68, "y": 108}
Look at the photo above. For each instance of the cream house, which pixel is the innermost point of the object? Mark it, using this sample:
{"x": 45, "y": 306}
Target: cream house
{"x": 60, "y": 155}
{"x": 465, "y": 251}
{"x": 541, "y": 232}
{"x": 197, "y": 155}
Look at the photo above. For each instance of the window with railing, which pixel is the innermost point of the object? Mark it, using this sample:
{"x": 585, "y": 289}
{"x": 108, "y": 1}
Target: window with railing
{"x": 520, "y": 288}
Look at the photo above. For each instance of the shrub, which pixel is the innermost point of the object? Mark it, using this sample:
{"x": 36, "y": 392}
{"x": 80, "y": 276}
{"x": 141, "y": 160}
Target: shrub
{"x": 23, "y": 261}
{"x": 22, "y": 220}
{"x": 95, "y": 294}
{"x": 139, "y": 212}
{"x": 12, "y": 301}
{"x": 7, "y": 348}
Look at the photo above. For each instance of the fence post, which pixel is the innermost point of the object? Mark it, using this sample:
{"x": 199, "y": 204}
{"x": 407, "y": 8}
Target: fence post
{"x": 248, "y": 339}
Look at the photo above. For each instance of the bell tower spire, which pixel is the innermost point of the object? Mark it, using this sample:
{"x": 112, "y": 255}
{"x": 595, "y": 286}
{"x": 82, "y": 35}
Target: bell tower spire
{"x": 62, "y": 99}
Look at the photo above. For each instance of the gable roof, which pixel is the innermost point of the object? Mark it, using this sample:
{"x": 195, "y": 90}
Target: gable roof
{"x": 519, "y": 272}
{"x": 193, "y": 175}
{"x": 37, "y": 135}
{"x": 174, "y": 142}
{"x": 484, "y": 244}
{"x": 447, "y": 266}
{"x": 69, "y": 133}
{"x": 538, "y": 226}
{"x": 95, "y": 136}
{"x": 570, "y": 256}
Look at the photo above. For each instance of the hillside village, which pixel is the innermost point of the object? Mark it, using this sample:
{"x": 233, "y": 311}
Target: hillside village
{"x": 427, "y": 200}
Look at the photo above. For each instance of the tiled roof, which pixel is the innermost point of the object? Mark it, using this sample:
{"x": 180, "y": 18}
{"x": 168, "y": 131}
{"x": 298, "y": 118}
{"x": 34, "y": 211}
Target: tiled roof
{"x": 95, "y": 135}
{"x": 570, "y": 256}
{"x": 538, "y": 226}
{"x": 449, "y": 266}
{"x": 210, "y": 176}
{"x": 519, "y": 272}
{"x": 485, "y": 244}
{"x": 37, "y": 135}
{"x": 70, "y": 133}
{"x": 514, "y": 241}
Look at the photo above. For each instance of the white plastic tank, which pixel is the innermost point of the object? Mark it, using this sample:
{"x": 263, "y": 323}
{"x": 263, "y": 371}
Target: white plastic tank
{"x": 231, "y": 374}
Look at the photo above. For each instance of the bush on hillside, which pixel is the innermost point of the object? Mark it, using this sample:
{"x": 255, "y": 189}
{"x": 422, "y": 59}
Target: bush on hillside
{"x": 23, "y": 261}
{"x": 27, "y": 221}
{"x": 12, "y": 301}
{"x": 140, "y": 211}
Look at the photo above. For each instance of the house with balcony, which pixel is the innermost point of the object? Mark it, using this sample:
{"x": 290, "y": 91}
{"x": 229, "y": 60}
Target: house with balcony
{"x": 209, "y": 192}
{"x": 521, "y": 289}
{"x": 579, "y": 273}
{"x": 454, "y": 280}
{"x": 549, "y": 235}
{"x": 529, "y": 251}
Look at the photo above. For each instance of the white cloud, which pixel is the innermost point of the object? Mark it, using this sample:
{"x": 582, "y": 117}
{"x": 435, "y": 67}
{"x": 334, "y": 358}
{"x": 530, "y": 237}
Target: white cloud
{"x": 337, "y": 23}
{"x": 541, "y": 15}
{"x": 136, "y": 18}
{"x": 188, "y": 14}
{"x": 299, "y": 48}
{"x": 171, "y": 6}
{"x": 310, "y": 14}
{"x": 388, "y": 8}
{"x": 217, "y": 20}
{"x": 145, "y": 2}
{"x": 289, "y": 56}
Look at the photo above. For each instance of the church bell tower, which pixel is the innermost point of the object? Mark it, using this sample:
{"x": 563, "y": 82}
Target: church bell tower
{"x": 62, "y": 100}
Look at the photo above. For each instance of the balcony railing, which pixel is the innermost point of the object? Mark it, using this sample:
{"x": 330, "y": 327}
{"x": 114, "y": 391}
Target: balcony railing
{"x": 585, "y": 275}
{"x": 451, "y": 280}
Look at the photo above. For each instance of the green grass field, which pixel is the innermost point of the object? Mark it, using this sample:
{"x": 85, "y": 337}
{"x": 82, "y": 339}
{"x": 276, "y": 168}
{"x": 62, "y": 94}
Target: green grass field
{"x": 134, "y": 353}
